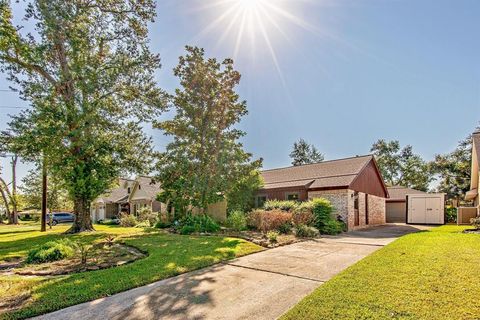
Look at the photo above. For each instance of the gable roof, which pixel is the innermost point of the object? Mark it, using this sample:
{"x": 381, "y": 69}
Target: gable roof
{"x": 149, "y": 186}
{"x": 118, "y": 194}
{"x": 399, "y": 193}
{"x": 327, "y": 174}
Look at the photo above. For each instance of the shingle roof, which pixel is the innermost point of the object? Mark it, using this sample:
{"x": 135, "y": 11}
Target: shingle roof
{"x": 399, "y": 193}
{"x": 334, "y": 173}
{"x": 118, "y": 194}
{"x": 149, "y": 186}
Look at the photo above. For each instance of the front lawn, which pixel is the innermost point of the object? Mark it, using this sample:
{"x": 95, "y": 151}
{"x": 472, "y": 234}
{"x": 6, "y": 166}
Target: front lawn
{"x": 426, "y": 275}
{"x": 168, "y": 255}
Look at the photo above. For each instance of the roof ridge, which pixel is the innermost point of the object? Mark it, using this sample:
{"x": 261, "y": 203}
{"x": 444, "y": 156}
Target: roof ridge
{"x": 315, "y": 178}
{"x": 310, "y": 164}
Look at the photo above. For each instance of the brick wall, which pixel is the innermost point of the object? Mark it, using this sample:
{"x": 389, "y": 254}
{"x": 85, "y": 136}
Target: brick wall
{"x": 376, "y": 209}
{"x": 338, "y": 198}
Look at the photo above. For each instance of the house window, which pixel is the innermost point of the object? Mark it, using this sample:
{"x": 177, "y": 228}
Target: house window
{"x": 355, "y": 200}
{"x": 139, "y": 187}
{"x": 260, "y": 201}
{"x": 292, "y": 196}
{"x": 128, "y": 190}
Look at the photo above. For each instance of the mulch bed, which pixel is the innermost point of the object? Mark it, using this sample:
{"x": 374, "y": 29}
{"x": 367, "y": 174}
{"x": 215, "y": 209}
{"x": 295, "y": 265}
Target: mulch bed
{"x": 475, "y": 231}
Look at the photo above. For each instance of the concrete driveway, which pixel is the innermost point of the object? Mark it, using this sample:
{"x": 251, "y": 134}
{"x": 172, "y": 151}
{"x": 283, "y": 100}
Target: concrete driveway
{"x": 259, "y": 286}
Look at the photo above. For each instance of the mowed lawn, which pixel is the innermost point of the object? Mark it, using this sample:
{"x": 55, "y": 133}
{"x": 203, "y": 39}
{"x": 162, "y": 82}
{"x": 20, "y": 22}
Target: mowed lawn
{"x": 427, "y": 275}
{"x": 168, "y": 255}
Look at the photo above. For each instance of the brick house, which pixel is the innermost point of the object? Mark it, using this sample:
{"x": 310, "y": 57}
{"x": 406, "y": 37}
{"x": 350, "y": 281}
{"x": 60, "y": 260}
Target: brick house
{"x": 354, "y": 186}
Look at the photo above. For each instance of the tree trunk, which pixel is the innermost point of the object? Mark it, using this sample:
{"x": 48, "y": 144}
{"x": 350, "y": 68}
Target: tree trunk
{"x": 82, "y": 222}
{"x": 5, "y": 201}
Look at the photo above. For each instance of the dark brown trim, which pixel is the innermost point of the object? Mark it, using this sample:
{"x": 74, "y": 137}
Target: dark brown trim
{"x": 328, "y": 188}
{"x": 366, "y": 210}
{"x": 394, "y": 201}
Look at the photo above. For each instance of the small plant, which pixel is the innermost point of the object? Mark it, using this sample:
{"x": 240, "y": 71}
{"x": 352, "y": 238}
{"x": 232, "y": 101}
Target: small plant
{"x": 51, "y": 251}
{"x": 237, "y": 221}
{"x": 143, "y": 224}
{"x": 109, "y": 222}
{"x": 128, "y": 220}
{"x": 84, "y": 250}
{"x": 187, "y": 230}
{"x": 304, "y": 231}
{"x": 451, "y": 214}
{"x": 109, "y": 240}
{"x": 197, "y": 223}
{"x": 162, "y": 225}
{"x": 272, "y": 236}
{"x": 475, "y": 222}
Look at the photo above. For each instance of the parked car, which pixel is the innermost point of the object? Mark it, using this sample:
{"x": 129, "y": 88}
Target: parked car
{"x": 60, "y": 217}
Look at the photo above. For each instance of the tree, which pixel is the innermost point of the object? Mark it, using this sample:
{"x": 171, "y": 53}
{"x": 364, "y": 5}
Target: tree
{"x": 304, "y": 153}
{"x": 400, "y": 166}
{"x": 31, "y": 188}
{"x": 241, "y": 196}
{"x": 205, "y": 159}
{"x": 454, "y": 169}
{"x": 89, "y": 76}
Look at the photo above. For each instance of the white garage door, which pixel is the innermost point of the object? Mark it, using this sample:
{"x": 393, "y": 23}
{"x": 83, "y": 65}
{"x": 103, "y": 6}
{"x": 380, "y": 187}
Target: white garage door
{"x": 426, "y": 208}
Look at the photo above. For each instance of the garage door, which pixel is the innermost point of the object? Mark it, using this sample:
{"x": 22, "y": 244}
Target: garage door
{"x": 426, "y": 209}
{"x": 396, "y": 212}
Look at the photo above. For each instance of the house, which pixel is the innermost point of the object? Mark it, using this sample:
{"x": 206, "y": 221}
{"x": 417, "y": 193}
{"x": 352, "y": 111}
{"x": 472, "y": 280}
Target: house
{"x": 354, "y": 186}
{"x": 128, "y": 197}
{"x": 396, "y": 205}
{"x": 465, "y": 213}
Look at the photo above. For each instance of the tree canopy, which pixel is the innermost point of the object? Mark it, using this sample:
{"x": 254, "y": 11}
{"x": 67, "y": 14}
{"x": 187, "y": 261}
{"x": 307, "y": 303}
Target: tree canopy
{"x": 401, "y": 166}
{"x": 205, "y": 159}
{"x": 304, "y": 153}
{"x": 88, "y": 73}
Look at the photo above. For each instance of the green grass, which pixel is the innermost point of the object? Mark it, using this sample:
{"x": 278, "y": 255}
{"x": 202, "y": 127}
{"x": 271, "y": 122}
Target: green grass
{"x": 426, "y": 275}
{"x": 168, "y": 255}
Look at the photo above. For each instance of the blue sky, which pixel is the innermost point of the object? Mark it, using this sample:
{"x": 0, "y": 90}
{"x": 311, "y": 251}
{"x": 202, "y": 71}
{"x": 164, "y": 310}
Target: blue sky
{"x": 343, "y": 73}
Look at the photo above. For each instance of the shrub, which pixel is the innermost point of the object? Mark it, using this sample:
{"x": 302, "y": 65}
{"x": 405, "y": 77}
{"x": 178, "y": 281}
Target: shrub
{"x": 280, "y": 205}
{"x": 162, "y": 225}
{"x": 237, "y": 221}
{"x": 285, "y": 228}
{"x": 143, "y": 224}
{"x": 475, "y": 222}
{"x": 451, "y": 214}
{"x": 109, "y": 222}
{"x": 51, "y": 251}
{"x": 332, "y": 227}
{"x": 198, "y": 223}
{"x": 304, "y": 231}
{"x": 322, "y": 211}
{"x": 146, "y": 214}
{"x": 187, "y": 230}
{"x": 303, "y": 214}
{"x": 128, "y": 220}
{"x": 272, "y": 236}
{"x": 265, "y": 221}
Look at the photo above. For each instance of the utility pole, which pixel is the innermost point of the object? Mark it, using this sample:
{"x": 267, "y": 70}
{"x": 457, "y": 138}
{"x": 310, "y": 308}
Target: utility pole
{"x": 44, "y": 196}
{"x": 14, "y": 189}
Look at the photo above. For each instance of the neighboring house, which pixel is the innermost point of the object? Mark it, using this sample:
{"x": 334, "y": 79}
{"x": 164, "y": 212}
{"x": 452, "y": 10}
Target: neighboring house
{"x": 144, "y": 194}
{"x": 396, "y": 205}
{"x": 129, "y": 197}
{"x": 354, "y": 186}
{"x": 473, "y": 195}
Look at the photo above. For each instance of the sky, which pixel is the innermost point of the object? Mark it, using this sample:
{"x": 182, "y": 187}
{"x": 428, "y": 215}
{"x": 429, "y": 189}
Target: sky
{"x": 338, "y": 73}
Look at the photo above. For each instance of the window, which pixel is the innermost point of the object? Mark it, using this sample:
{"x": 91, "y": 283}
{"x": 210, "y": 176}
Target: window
{"x": 260, "y": 201}
{"x": 139, "y": 187}
{"x": 355, "y": 200}
{"x": 292, "y": 196}
{"x": 128, "y": 190}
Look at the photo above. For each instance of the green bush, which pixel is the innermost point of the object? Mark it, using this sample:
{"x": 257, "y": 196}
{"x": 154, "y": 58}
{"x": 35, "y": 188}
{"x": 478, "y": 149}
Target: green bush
{"x": 128, "y": 220}
{"x": 272, "y": 236}
{"x": 198, "y": 223}
{"x": 332, "y": 227}
{"x": 280, "y": 205}
{"x": 451, "y": 214}
{"x": 304, "y": 231}
{"x": 146, "y": 214}
{"x": 237, "y": 221}
{"x": 162, "y": 224}
{"x": 322, "y": 211}
{"x": 265, "y": 221}
{"x": 475, "y": 222}
{"x": 285, "y": 228}
{"x": 51, "y": 251}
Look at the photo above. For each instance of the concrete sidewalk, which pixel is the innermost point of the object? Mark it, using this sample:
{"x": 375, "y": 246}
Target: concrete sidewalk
{"x": 259, "y": 286}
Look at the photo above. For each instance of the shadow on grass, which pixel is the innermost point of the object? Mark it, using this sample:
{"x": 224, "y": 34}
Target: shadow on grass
{"x": 169, "y": 255}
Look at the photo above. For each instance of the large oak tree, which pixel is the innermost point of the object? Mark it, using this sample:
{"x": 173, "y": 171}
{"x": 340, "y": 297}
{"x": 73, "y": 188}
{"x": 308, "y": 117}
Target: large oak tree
{"x": 88, "y": 74}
